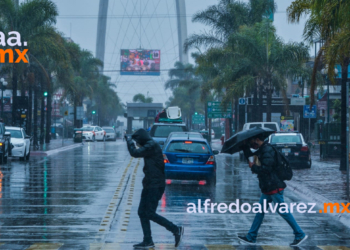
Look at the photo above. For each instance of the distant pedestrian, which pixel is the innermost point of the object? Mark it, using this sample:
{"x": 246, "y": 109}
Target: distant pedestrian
{"x": 153, "y": 187}
{"x": 272, "y": 188}
{"x": 124, "y": 136}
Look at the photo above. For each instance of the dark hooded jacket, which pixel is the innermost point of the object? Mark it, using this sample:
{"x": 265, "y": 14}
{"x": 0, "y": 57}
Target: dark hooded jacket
{"x": 152, "y": 154}
{"x": 268, "y": 180}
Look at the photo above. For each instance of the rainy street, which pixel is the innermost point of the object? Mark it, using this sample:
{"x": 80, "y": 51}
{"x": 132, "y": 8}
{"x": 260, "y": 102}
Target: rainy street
{"x": 87, "y": 198}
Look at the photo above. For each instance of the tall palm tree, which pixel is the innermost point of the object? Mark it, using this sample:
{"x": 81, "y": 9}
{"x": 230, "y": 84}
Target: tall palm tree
{"x": 329, "y": 21}
{"x": 184, "y": 76}
{"x": 225, "y": 18}
{"x": 256, "y": 55}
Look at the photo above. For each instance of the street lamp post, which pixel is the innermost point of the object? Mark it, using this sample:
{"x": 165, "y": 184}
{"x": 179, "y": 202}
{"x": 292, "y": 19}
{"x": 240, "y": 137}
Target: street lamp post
{"x": 3, "y": 86}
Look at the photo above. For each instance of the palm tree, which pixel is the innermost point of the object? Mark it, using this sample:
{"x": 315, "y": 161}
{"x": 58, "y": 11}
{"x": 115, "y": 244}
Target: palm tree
{"x": 184, "y": 76}
{"x": 225, "y": 18}
{"x": 256, "y": 56}
{"x": 141, "y": 98}
{"x": 329, "y": 21}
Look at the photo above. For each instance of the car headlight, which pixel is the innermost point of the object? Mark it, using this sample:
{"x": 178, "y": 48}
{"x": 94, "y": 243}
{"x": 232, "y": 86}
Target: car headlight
{"x": 19, "y": 145}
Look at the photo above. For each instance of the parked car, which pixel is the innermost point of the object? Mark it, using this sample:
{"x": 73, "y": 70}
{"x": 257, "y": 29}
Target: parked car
{"x": 20, "y": 142}
{"x": 212, "y": 134}
{"x": 294, "y": 147}
{"x": 271, "y": 125}
{"x": 160, "y": 131}
{"x": 92, "y": 133}
{"x": 190, "y": 160}
{"x": 111, "y": 135}
{"x": 5, "y": 144}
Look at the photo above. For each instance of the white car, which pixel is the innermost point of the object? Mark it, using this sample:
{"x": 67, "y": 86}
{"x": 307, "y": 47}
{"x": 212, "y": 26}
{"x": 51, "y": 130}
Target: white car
{"x": 20, "y": 141}
{"x": 92, "y": 133}
{"x": 110, "y": 133}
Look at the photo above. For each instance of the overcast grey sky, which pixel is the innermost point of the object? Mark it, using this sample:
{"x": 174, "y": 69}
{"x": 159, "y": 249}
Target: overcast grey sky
{"x": 78, "y": 20}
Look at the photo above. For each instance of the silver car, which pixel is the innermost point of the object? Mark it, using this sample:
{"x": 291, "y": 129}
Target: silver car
{"x": 111, "y": 135}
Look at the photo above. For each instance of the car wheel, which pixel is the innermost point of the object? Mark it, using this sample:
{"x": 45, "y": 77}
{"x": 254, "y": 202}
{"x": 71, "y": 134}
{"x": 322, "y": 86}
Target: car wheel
{"x": 24, "y": 156}
{"x": 28, "y": 156}
{"x": 309, "y": 163}
{"x": 93, "y": 139}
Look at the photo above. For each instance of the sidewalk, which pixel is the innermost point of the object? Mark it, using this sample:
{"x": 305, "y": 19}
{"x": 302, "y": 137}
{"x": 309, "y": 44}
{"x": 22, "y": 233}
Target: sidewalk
{"x": 54, "y": 145}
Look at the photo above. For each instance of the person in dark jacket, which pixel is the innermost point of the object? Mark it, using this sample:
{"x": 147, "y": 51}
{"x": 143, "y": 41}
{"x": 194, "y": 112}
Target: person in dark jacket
{"x": 153, "y": 186}
{"x": 272, "y": 190}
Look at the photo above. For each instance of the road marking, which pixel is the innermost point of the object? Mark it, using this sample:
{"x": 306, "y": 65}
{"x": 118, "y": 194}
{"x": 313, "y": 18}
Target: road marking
{"x": 334, "y": 248}
{"x": 45, "y": 246}
{"x": 111, "y": 210}
{"x": 124, "y": 221}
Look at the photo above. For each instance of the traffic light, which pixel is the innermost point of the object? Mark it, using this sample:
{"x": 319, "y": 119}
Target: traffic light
{"x": 93, "y": 112}
{"x": 45, "y": 93}
{"x": 196, "y": 113}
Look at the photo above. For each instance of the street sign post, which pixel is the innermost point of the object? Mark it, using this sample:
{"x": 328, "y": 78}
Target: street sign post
{"x": 311, "y": 114}
{"x": 241, "y": 101}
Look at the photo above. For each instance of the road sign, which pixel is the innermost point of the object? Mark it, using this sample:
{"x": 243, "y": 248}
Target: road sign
{"x": 215, "y": 110}
{"x": 198, "y": 119}
{"x": 219, "y": 115}
{"x": 307, "y": 113}
{"x": 241, "y": 101}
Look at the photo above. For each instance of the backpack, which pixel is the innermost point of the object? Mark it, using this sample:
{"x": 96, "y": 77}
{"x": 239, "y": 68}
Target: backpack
{"x": 283, "y": 170}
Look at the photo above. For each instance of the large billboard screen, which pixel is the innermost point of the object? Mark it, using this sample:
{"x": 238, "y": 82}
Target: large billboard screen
{"x": 140, "y": 62}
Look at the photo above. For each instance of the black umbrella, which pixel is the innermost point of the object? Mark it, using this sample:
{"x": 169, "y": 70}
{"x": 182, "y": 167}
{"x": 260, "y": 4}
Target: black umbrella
{"x": 234, "y": 144}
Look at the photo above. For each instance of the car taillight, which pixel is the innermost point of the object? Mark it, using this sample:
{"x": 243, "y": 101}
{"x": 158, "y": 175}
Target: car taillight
{"x": 168, "y": 181}
{"x": 165, "y": 159}
{"x": 304, "y": 149}
{"x": 202, "y": 182}
{"x": 211, "y": 160}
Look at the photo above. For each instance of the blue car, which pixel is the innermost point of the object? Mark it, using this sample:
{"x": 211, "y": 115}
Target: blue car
{"x": 190, "y": 159}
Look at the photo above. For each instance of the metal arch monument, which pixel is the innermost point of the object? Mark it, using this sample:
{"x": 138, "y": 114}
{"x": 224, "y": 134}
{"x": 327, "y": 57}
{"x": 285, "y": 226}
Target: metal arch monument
{"x": 102, "y": 25}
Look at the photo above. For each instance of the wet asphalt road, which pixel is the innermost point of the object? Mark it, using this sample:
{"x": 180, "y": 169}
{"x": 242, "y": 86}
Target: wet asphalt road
{"x": 87, "y": 198}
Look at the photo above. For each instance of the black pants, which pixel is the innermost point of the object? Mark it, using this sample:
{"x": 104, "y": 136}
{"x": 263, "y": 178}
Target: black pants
{"x": 147, "y": 212}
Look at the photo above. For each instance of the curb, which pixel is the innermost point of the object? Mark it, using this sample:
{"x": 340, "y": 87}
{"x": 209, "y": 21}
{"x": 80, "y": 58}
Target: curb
{"x": 54, "y": 151}
{"x": 308, "y": 195}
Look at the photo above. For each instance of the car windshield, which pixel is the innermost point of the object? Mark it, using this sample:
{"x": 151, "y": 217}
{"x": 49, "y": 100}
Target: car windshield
{"x": 165, "y": 130}
{"x": 188, "y": 147}
{"x": 15, "y": 133}
{"x": 286, "y": 139}
{"x": 271, "y": 126}
{"x": 185, "y": 135}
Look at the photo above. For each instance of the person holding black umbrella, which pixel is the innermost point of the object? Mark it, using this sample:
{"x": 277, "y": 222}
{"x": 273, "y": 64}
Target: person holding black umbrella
{"x": 271, "y": 187}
